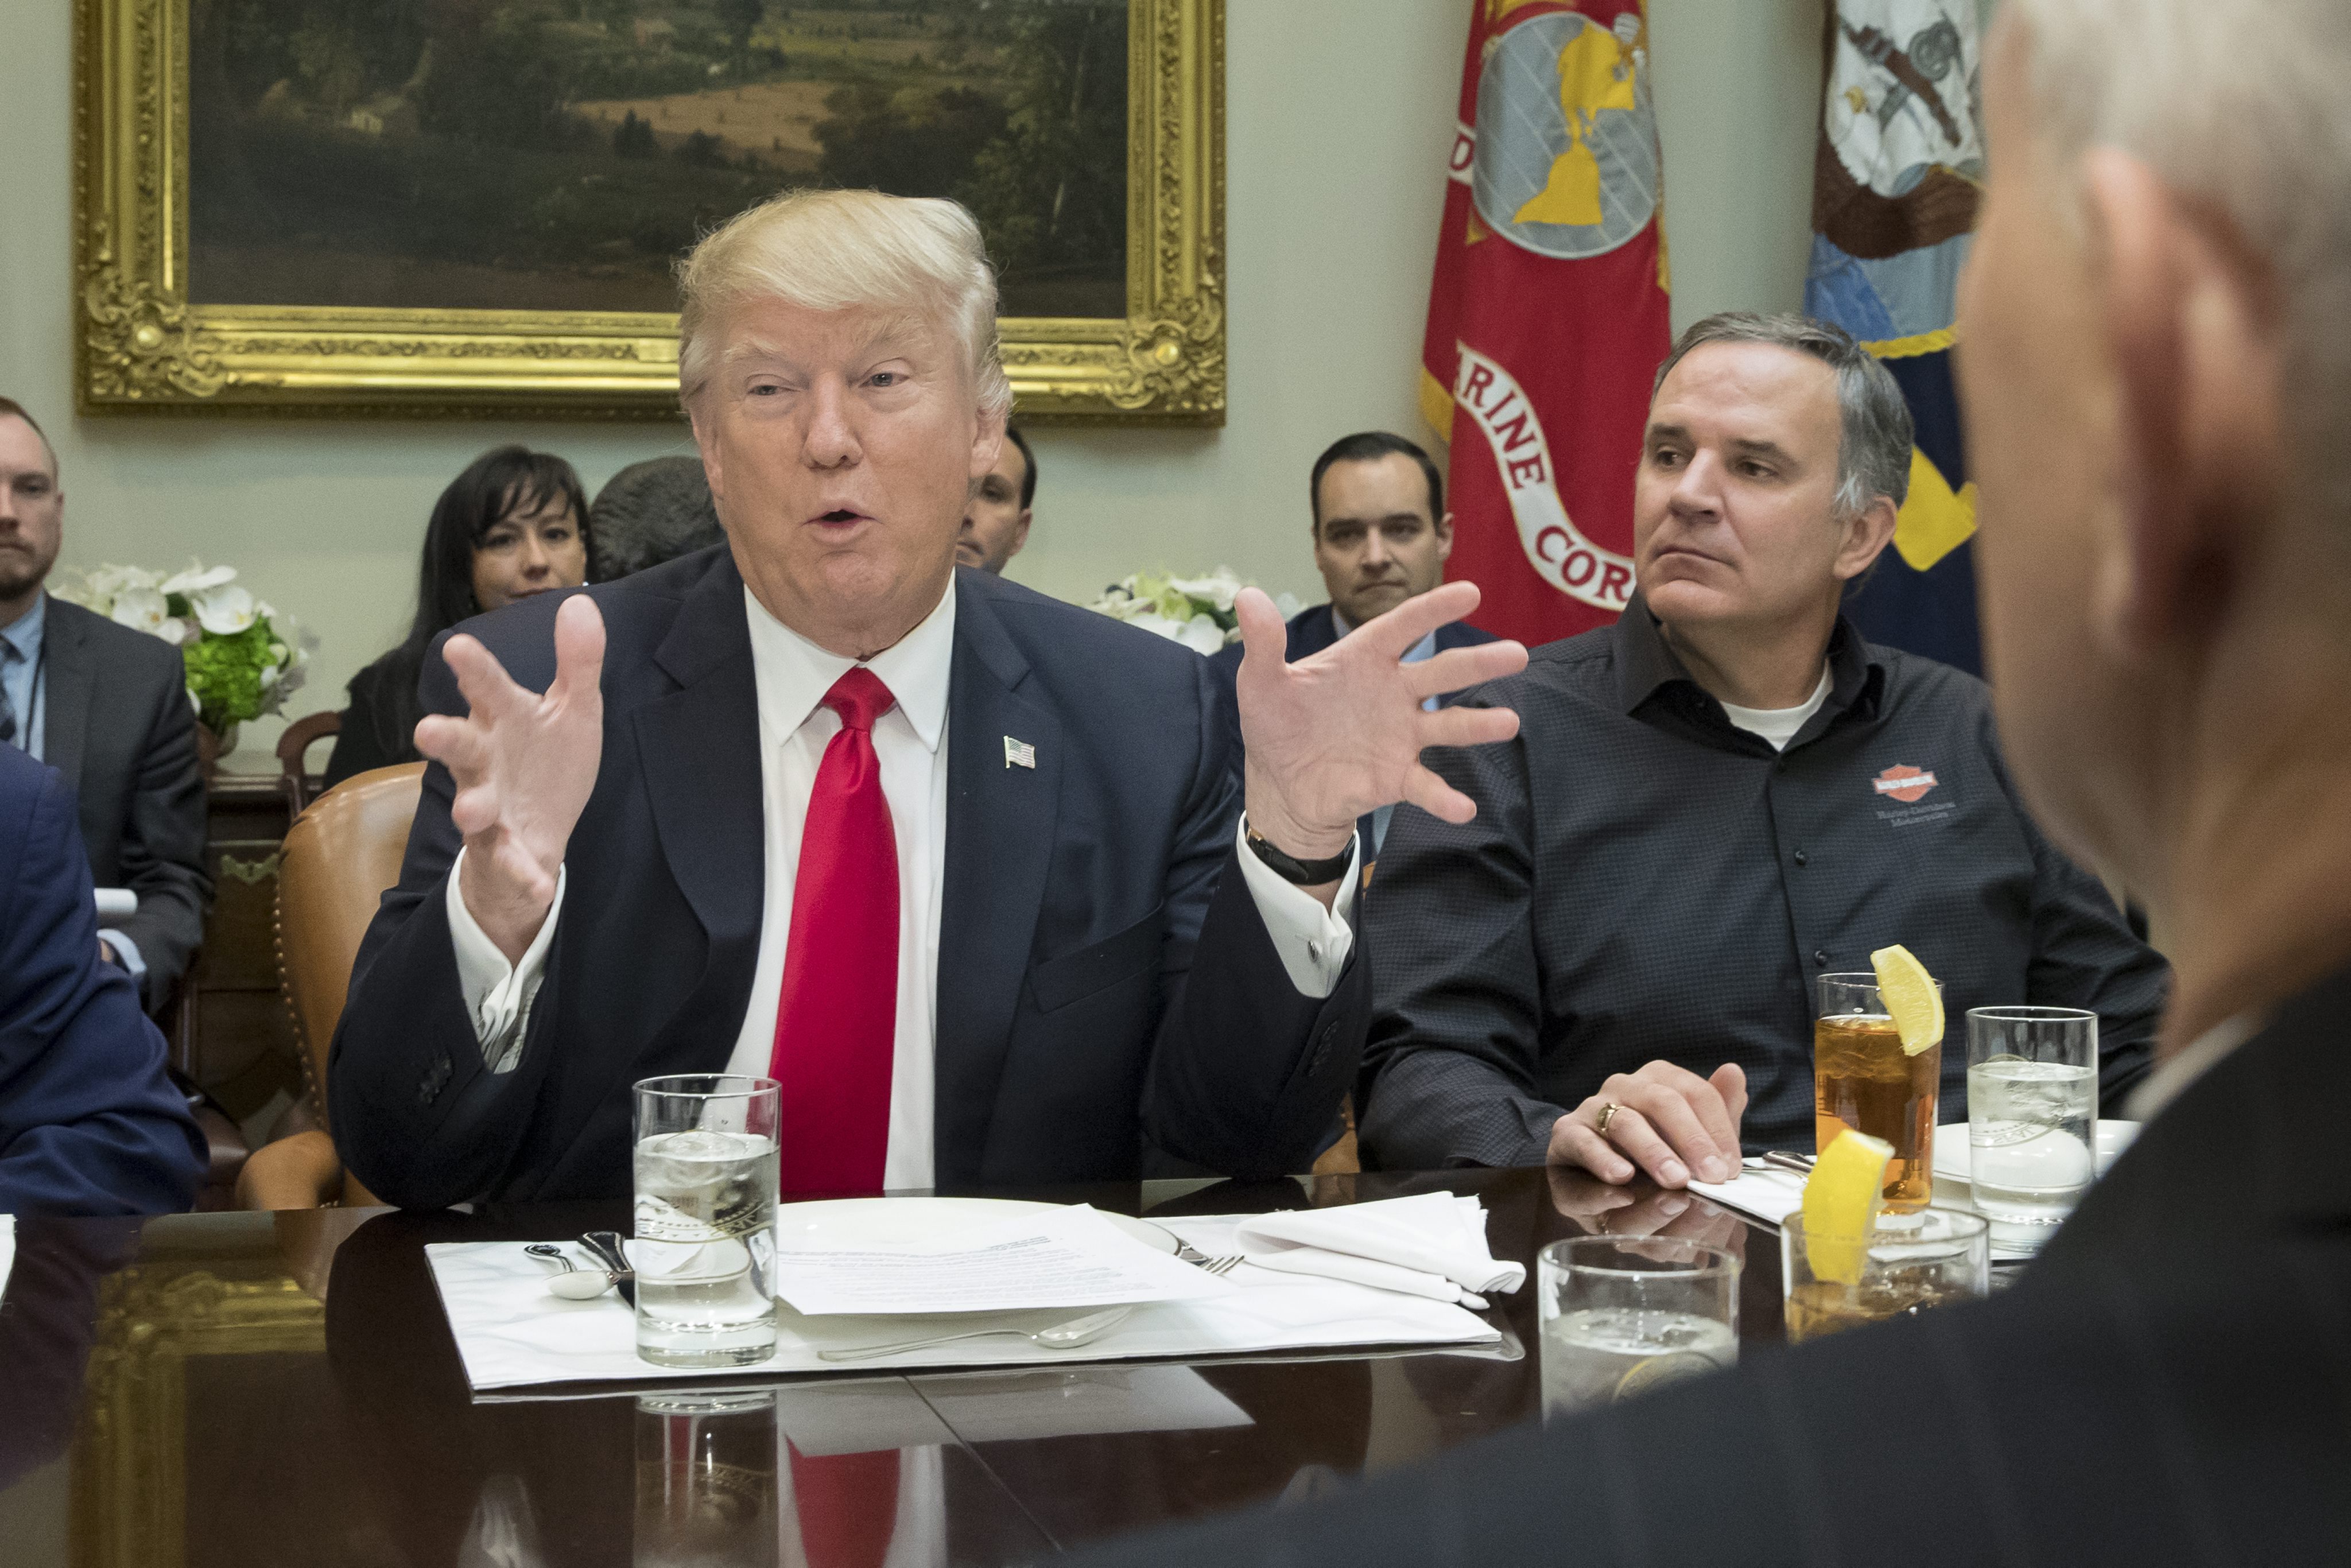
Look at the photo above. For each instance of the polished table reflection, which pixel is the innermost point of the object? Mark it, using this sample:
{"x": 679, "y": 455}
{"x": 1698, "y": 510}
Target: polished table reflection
{"x": 257, "y": 1389}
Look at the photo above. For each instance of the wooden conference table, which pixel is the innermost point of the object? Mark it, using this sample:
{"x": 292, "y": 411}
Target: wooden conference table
{"x": 249, "y": 1390}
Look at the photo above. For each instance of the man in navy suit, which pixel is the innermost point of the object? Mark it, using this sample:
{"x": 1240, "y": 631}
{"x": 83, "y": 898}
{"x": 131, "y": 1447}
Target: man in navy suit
{"x": 939, "y": 854}
{"x": 1382, "y": 537}
{"x": 88, "y": 1122}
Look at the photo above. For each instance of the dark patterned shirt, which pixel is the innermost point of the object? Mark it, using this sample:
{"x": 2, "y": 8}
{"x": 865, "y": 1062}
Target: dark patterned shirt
{"x": 1645, "y": 880}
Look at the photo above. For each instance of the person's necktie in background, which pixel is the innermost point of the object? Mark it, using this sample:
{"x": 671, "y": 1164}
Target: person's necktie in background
{"x": 9, "y": 656}
{"x": 836, "y": 1021}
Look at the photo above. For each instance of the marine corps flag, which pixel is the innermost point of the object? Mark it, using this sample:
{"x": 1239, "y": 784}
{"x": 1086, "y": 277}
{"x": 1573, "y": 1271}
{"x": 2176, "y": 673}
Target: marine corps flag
{"x": 1547, "y": 316}
{"x": 1893, "y": 202}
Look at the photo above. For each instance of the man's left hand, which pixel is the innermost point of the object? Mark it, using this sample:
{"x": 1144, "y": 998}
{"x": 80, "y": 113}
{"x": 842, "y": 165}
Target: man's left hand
{"x": 1341, "y": 732}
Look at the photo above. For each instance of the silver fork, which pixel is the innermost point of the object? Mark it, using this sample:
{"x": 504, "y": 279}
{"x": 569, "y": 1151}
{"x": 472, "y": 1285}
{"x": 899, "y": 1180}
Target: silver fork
{"x": 1191, "y": 1254}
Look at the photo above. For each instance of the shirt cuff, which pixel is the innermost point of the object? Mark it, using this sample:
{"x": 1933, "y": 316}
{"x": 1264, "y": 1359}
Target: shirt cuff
{"x": 126, "y": 953}
{"x": 498, "y": 994}
{"x": 1313, "y": 941}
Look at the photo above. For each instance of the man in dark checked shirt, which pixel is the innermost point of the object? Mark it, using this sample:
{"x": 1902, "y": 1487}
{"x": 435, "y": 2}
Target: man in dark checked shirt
{"x": 1711, "y": 803}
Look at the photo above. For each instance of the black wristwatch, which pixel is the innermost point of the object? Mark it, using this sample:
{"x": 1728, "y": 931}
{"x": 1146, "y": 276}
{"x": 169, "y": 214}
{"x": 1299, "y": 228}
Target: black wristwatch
{"x": 1290, "y": 869}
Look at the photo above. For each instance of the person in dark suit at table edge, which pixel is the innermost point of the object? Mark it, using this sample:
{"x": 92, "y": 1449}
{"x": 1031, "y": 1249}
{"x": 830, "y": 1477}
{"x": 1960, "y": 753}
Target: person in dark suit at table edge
{"x": 2156, "y": 373}
{"x": 942, "y": 854}
{"x": 1375, "y": 507}
{"x": 108, "y": 707}
{"x": 90, "y": 1123}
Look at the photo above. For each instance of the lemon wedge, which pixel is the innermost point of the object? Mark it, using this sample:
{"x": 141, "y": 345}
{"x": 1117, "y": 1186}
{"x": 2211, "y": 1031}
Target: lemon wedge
{"x": 1911, "y": 997}
{"x": 1841, "y": 1201}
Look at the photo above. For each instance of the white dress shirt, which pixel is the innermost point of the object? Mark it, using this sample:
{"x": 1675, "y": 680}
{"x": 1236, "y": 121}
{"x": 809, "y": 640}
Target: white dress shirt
{"x": 792, "y": 675}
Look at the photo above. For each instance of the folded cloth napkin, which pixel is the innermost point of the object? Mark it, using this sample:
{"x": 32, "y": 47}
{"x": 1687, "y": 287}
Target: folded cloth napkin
{"x": 1766, "y": 1192}
{"x": 1433, "y": 1245}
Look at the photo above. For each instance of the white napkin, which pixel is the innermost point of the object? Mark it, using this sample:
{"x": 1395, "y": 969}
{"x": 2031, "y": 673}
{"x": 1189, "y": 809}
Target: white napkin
{"x": 1432, "y": 1245}
{"x": 7, "y": 1249}
{"x": 1766, "y": 1192}
{"x": 510, "y": 1332}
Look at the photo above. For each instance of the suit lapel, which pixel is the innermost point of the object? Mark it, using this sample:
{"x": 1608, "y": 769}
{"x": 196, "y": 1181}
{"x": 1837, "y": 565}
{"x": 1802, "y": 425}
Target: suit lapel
{"x": 66, "y": 676}
{"x": 999, "y": 846}
{"x": 699, "y": 749}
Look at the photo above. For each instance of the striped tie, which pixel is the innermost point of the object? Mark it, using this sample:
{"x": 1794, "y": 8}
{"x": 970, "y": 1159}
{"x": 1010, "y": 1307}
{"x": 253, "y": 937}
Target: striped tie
{"x": 10, "y": 655}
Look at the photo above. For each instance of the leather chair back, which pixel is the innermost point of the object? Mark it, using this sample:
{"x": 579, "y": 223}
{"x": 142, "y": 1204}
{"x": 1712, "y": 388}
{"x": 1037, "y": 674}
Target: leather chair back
{"x": 338, "y": 859}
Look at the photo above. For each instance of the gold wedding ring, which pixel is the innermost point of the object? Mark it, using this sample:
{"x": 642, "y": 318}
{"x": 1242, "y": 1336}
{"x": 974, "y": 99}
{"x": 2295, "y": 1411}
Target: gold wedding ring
{"x": 1608, "y": 1109}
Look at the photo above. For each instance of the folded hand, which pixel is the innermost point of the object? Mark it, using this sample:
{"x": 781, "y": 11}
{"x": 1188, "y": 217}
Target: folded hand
{"x": 1666, "y": 1119}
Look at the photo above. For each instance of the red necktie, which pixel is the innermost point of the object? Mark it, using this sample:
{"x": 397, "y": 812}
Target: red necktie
{"x": 848, "y": 1507}
{"x": 836, "y": 1021}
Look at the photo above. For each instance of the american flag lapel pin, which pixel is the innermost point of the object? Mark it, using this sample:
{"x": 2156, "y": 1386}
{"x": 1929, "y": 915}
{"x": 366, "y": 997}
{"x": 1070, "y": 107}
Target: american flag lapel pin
{"x": 1019, "y": 753}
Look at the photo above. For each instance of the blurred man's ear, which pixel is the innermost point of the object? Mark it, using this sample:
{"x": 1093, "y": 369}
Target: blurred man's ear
{"x": 1445, "y": 537}
{"x": 1865, "y": 537}
{"x": 2192, "y": 327}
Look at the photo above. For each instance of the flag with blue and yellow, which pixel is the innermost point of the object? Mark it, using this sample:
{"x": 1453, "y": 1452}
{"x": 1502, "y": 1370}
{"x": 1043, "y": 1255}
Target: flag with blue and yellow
{"x": 1893, "y": 202}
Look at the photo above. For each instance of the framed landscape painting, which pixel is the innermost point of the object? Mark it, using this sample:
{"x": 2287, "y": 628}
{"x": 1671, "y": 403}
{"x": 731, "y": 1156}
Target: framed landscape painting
{"x": 450, "y": 206}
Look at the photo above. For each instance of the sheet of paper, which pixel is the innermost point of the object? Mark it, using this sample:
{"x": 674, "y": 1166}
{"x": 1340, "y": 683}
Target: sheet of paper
{"x": 1055, "y": 1258}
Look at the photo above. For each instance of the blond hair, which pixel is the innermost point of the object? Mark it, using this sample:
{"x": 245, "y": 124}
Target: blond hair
{"x": 840, "y": 250}
{"x": 2237, "y": 105}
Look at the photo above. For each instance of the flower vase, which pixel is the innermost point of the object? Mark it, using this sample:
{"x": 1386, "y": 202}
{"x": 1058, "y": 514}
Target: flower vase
{"x": 212, "y": 745}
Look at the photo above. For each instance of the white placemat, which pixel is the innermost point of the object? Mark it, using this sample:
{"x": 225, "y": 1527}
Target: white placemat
{"x": 510, "y": 1332}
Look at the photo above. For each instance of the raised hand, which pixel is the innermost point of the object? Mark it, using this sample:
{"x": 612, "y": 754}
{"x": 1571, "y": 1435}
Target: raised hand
{"x": 523, "y": 766}
{"x": 1341, "y": 732}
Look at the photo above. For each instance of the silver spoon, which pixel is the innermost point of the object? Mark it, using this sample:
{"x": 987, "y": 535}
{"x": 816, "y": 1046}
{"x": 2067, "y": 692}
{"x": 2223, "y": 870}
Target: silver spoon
{"x": 1066, "y": 1335}
{"x": 572, "y": 1283}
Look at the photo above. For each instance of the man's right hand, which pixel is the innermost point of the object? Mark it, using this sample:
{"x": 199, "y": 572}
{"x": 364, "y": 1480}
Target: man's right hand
{"x": 1666, "y": 1119}
{"x": 523, "y": 766}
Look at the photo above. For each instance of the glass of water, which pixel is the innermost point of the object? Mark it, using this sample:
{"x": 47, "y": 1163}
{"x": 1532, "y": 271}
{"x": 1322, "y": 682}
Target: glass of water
{"x": 1621, "y": 1314}
{"x": 2032, "y": 1112}
{"x": 705, "y": 1251}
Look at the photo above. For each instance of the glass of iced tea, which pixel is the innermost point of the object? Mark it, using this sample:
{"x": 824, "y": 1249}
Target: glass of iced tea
{"x": 1914, "y": 1262}
{"x": 1862, "y": 1080}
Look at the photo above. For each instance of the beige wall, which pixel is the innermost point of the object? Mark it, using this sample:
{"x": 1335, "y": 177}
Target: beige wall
{"x": 1340, "y": 115}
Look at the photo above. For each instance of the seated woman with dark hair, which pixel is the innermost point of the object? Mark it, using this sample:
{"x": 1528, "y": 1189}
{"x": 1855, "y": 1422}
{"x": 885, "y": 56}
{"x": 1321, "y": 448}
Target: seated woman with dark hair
{"x": 515, "y": 523}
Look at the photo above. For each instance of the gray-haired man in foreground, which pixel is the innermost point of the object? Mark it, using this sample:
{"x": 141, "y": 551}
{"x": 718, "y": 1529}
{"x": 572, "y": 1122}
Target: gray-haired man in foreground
{"x": 2155, "y": 354}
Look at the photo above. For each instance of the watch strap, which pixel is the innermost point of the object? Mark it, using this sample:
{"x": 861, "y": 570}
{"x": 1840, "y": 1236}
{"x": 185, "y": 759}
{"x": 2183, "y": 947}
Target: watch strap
{"x": 1290, "y": 869}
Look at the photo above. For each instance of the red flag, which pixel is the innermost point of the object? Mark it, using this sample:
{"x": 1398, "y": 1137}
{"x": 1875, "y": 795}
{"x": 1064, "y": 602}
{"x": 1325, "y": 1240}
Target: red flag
{"x": 1548, "y": 315}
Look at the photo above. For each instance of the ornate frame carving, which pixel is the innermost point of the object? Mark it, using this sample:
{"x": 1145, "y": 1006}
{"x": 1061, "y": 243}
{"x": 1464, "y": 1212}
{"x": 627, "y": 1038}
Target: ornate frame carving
{"x": 129, "y": 1466}
{"x": 141, "y": 345}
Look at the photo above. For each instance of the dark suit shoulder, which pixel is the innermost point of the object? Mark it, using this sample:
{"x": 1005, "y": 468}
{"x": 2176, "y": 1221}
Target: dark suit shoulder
{"x": 1070, "y": 644}
{"x": 122, "y": 652}
{"x": 638, "y": 610}
{"x": 1461, "y": 635}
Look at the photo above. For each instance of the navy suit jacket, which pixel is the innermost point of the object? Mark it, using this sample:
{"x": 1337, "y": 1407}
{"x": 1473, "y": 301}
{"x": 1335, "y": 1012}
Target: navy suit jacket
{"x": 1081, "y": 895}
{"x": 1311, "y": 632}
{"x": 89, "y": 1125}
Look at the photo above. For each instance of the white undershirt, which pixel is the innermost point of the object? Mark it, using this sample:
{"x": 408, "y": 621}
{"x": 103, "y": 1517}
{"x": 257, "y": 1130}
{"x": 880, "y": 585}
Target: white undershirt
{"x": 1779, "y": 724}
{"x": 792, "y": 675}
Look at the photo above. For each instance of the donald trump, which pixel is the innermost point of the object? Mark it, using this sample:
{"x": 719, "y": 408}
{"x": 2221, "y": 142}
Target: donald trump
{"x": 965, "y": 869}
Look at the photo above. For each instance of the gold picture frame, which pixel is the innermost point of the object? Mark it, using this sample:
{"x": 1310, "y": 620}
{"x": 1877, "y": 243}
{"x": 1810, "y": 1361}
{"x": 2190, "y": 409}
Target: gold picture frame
{"x": 141, "y": 345}
{"x": 131, "y": 1458}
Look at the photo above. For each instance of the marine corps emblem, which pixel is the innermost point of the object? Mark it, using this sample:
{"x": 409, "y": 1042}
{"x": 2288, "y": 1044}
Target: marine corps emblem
{"x": 1566, "y": 160}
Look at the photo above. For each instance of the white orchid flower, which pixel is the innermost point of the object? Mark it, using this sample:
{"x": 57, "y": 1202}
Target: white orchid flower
{"x": 197, "y": 579}
{"x": 223, "y": 611}
{"x": 1201, "y": 634}
{"x": 143, "y": 609}
{"x": 1158, "y": 625}
{"x": 1287, "y": 603}
{"x": 1217, "y": 588}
